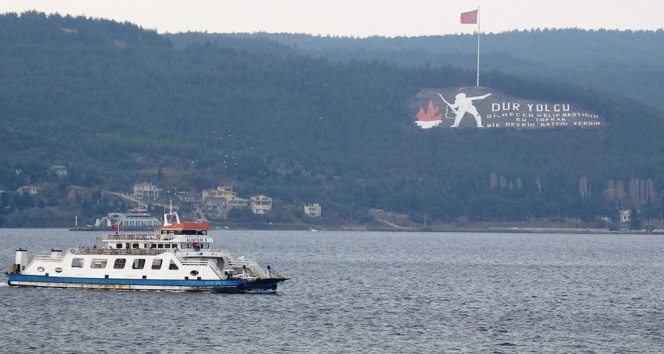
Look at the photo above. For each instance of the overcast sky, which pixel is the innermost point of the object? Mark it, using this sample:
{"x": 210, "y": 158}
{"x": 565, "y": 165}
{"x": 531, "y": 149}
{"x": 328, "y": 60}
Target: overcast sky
{"x": 359, "y": 18}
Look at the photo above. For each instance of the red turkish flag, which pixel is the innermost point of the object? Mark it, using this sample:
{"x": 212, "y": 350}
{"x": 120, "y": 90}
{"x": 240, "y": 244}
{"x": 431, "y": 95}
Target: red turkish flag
{"x": 469, "y": 17}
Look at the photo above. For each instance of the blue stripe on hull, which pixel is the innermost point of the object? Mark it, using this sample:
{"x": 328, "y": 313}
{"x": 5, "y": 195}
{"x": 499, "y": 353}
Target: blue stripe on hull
{"x": 218, "y": 285}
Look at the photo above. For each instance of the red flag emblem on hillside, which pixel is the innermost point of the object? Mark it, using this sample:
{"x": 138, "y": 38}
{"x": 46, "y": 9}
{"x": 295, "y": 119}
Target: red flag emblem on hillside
{"x": 469, "y": 17}
{"x": 429, "y": 118}
{"x": 430, "y": 114}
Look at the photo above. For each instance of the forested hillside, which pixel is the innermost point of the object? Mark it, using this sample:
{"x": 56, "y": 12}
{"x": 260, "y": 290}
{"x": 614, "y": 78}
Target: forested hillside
{"x": 623, "y": 62}
{"x": 116, "y": 104}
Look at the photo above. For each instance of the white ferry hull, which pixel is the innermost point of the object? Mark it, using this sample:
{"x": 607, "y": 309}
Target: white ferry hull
{"x": 222, "y": 286}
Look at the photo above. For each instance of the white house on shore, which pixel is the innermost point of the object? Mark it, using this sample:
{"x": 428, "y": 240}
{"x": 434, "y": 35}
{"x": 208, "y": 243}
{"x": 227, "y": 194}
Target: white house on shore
{"x": 313, "y": 210}
{"x": 146, "y": 191}
{"x": 625, "y": 215}
{"x": 260, "y": 204}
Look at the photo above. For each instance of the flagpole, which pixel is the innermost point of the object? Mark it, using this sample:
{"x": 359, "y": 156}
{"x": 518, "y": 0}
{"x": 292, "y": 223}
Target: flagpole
{"x": 474, "y": 17}
{"x": 478, "y": 46}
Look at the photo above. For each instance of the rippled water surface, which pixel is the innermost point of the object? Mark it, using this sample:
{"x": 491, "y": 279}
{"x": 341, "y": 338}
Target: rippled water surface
{"x": 365, "y": 292}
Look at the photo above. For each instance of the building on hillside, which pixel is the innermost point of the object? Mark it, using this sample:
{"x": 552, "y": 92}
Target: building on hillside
{"x": 226, "y": 192}
{"x": 237, "y": 203}
{"x": 29, "y": 189}
{"x": 146, "y": 191}
{"x": 260, "y": 204}
{"x": 207, "y": 193}
{"x": 313, "y": 210}
{"x": 59, "y": 170}
{"x": 211, "y": 200}
{"x": 215, "y": 206}
{"x": 221, "y": 191}
{"x": 625, "y": 215}
{"x": 189, "y": 197}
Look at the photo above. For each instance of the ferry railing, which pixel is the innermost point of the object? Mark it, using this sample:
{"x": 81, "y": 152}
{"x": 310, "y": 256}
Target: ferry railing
{"x": 88, "y": 251}
{"x": 216, "y": 269}
{"x": 136, "y": 237}
{"x": 248, "y": 265}
{"x": 48, "y": 258}
{"x": 259, "y": 273}
{"x": 200, "y": 262}
{"x": 121, "y": 251}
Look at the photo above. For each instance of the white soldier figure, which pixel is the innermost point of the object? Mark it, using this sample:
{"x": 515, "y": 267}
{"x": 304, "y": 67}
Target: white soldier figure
{"x": 463, "y": 105}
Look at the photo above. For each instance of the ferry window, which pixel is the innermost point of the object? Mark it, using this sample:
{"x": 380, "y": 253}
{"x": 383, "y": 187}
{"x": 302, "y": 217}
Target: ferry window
{"x": 153, "y": 246}
{"x": 77, "y": 263}
{"x": 135, "y": 245}
{"x": 98, "y": 263}
{"x": 139, "y": 263}
{"x": 173, "y": 266}
{"x": 119, "y": 263}
{"x": 119, "y": 245}
{"x": 160, "y": 246}
{"x": 168, "y": 245}
{"x": 156, "y": 263}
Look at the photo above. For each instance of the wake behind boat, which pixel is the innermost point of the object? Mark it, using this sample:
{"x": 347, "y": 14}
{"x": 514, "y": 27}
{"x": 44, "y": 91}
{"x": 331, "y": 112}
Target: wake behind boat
{"x": 178, "y": 257}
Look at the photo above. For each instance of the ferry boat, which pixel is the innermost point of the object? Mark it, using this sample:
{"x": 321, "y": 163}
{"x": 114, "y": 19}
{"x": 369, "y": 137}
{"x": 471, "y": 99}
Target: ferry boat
{"x": 179, "y": 257}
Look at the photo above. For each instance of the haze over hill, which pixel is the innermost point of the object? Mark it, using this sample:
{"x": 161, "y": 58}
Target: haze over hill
{"x": 357, "y": 18}
{"x": 626, "y": 63}
{"x": 118, "y": 105}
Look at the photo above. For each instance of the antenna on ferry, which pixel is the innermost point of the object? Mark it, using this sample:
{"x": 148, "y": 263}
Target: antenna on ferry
{"x": 171, "y": 216}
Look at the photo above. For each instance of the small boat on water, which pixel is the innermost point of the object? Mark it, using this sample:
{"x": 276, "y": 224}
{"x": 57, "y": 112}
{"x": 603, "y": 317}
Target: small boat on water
{"x": 179, "y": 257}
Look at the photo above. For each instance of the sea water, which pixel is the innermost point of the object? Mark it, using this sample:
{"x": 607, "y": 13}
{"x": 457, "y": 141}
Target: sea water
{"x": 365, "y": 292}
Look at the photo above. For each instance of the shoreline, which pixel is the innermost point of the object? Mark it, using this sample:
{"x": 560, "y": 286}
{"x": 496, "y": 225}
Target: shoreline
{"x": 394, "y": 228}
{"x": 444, "y": 229}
